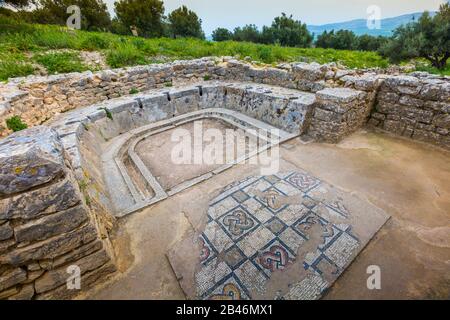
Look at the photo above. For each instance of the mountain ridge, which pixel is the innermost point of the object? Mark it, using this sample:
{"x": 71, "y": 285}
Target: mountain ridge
{"x": 359, "y": 26}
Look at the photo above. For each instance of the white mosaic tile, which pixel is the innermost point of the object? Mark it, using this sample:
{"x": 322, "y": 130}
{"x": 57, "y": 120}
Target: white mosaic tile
{"x": 287, "y": 188}
{"x": 255, "y": 241}
{"x": 312, "y": 256}
{"x": 342, "y": 249}
{"x": 292, "y": 239}
{"x": 251, "y": 277}
{"x": 292, "y": 213}
{"x": 222, "y": 207}
{"x": 209, "y": 275}
{"x": 257, "y": 187}
{"x": 309, "y": 288}
{"x": 219, "y": 239}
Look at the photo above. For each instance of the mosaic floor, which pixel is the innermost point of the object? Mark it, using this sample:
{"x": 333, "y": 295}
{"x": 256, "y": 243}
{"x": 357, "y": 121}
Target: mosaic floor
{"x": 285, "y": 236}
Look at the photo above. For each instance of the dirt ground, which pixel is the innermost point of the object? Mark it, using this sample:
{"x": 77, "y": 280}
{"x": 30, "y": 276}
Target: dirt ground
{"x": 409, "y": 180}
{"x": 156, "y": 151}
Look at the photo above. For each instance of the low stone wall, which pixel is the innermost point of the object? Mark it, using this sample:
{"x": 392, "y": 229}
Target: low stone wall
{"x": 416, "y": 107}
{"x": 38, "y": 99}
{"x": 45, "y": 223}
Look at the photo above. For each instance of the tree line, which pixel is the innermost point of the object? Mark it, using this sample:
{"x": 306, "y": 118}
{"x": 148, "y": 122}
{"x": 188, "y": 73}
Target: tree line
{"x": 146, "y": 17}
{"x": 428, "y": 38}
{"x": 341, "y": 40}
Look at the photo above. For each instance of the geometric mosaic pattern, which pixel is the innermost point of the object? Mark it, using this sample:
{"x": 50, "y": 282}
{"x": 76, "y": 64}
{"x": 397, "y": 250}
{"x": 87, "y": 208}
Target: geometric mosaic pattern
{"x": 256, "y": 231}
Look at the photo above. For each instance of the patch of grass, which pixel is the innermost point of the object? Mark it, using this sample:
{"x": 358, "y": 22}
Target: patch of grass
{"x": 108, "y": 113}
{"x": 168, "y": 84}
{"x": 125, "y": 55}
{"x": 15, "y": 124}
{"x": 61, "y": 62}
{"x": 10, "y": 69}
{"x": 424, "y": 65}
{"x": 134, "y": 91}
{"x": 94, "y": 42}
{"x": 206, "y": 77}
{"x": 55, "y": 38}
{"x": 265, "y": 54}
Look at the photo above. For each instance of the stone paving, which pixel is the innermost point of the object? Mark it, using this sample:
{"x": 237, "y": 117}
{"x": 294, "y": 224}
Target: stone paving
{"x": 284, "y": 236}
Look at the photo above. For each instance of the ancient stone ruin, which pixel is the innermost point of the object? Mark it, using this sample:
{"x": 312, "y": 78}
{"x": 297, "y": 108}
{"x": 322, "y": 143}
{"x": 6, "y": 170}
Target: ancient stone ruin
{"x": 90, "y": 156}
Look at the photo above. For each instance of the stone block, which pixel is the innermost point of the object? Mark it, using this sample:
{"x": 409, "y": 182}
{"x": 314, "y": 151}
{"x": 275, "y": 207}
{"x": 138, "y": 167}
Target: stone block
{"x": 394, "y": 126}
{"x": 77, "y": 253}
{"x": 6, "y": 231}
{"x": 442, "y": 121}
{"x": 386, "y": 96}
{"x": 436, "y": 91}
{"x": 29, "y": 158}
{"x": 50, "y": 248}
{"x": 51, "y": 225}
{"x": 49, "y": 199}
{"x": 11, "y": 278}
{"x": 309, "y": 71}
{"x": 26, "y": 292}
{"x": 365, "y": 82}
{"x": 340, "y": 95}
{"x": 59, "y": 276}
{"x": 410, "y": 101}
{"x": 324, "y": 115}
{"x": 87, "y": 280}
{"x": 401, "y": 80}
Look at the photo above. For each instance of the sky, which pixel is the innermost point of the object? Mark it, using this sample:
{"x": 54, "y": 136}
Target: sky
{"x": 233, "y": 13}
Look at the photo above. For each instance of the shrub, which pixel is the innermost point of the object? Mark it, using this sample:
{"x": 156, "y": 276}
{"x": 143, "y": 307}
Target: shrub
{"x": 265, "y": 54}
{"x": 15, "y": 124}
{"x": 134, "y": 91}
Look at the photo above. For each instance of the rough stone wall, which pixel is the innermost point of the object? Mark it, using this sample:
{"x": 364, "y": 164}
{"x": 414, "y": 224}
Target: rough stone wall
{"x": 45, "y": 222}
{"x": 416, "y": 107}
{"x": 37, "y": 99}
{"x": 398, "y": 109}
{"x": 338, "y": 112}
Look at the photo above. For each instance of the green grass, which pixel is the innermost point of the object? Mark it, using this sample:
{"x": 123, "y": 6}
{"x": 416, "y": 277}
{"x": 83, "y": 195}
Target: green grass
{"x": 12, "y": 69}
{"x": 125, "y": 54}
{"x": 108, "y": 113}
{"x": 424, "y": 65}
{"x": 61, "y": 62}
{"x": 25, "y": 44}
{"x": 15, "y": 124}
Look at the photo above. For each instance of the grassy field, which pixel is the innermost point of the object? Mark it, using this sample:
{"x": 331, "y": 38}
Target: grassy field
{"x": 25, "y": 49}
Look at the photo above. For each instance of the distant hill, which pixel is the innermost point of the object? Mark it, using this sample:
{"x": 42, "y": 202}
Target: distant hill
{"x": 359, "y": 26}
